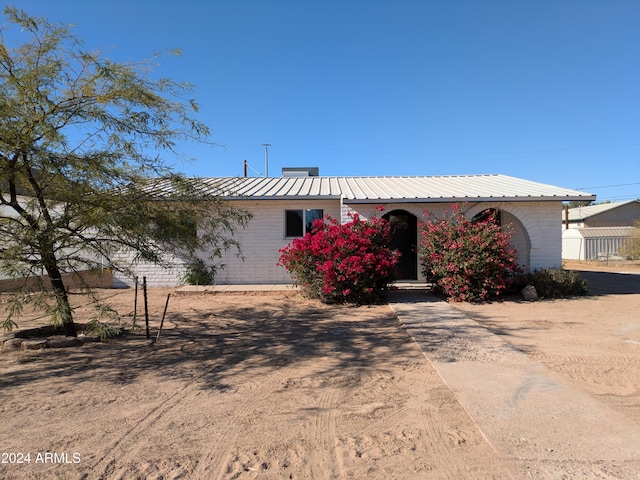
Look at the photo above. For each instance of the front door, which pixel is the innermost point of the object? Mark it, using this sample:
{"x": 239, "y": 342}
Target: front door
{"x": 404, "y": 238}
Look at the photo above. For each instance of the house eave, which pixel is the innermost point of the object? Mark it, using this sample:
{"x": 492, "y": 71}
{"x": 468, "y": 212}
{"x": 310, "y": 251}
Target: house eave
{"x": 471, "y": 199}
{"x": 305, "y": 198}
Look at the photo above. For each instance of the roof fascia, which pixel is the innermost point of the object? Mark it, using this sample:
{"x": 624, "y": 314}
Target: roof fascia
{"x": 470, "y": 199}
{"x": 283, "y": 197}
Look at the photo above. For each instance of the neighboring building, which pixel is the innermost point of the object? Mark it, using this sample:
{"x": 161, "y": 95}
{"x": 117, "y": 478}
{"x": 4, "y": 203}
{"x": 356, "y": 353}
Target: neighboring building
{"x": 599, "y": 232}
{"x": 283, "y": 209}
{"x": 596, "y": 243}
{"x": 616, "y": 214}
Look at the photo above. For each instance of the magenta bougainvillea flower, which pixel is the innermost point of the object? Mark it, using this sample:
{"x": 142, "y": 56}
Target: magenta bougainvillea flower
{"x": 352, "y": 262}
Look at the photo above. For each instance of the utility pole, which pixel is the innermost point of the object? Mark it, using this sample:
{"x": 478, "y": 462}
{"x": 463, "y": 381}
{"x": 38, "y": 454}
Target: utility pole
{"x": 266, "y": 158}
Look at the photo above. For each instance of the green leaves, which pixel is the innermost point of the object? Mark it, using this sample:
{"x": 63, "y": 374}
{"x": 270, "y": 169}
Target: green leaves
{"x": 83, "y": 141}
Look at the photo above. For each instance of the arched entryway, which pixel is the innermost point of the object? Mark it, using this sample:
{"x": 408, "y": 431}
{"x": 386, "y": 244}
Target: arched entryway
{"x": 519, "y": 236}
{"x": 404, "y": 238}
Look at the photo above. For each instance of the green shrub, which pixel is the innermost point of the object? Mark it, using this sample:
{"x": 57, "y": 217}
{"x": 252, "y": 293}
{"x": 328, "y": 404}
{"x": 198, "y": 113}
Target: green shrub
{"x": 199, "y": 273}
{"x": 554, "y": 283}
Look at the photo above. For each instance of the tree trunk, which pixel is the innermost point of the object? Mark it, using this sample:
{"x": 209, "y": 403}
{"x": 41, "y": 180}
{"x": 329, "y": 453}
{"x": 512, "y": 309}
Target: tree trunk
{"x": 62, "y": 300}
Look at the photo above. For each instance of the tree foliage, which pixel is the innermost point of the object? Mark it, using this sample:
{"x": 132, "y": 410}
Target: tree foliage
{"x": 82, "y": 168}
{"x": 578, "y": 203}
{"x": 631, "y": 248}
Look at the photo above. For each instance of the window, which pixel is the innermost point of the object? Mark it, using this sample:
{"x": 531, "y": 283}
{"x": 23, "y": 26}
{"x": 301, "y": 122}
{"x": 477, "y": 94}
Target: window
{"x": 294, "y": 223}
{"x": 398, "y": 221}
{"x": 299, "y": 222}
{"x": 311, "y": 216}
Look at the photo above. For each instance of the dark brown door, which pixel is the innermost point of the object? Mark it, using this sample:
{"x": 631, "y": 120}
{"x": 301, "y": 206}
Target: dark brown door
{"x": 404, "y": 238}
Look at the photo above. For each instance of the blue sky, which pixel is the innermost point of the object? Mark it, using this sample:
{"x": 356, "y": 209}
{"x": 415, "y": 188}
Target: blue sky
{"x": 543, "y": 90}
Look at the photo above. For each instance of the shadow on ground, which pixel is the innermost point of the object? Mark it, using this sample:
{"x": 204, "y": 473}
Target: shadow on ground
{"x": 212, "y": 346}
{"x": 606, "y": 283}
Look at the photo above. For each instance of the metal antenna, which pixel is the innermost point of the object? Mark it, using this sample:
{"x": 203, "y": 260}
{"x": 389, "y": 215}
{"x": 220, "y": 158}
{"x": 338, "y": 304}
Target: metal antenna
{"x": 266, "y": 158}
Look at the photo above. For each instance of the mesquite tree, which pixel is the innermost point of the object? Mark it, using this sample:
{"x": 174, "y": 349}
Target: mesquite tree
{"x": 82, "y": 169}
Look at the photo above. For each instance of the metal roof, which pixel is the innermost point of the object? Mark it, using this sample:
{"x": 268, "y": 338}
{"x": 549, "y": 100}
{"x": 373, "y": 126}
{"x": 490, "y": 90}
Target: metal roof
{"x": 391, "y": 189}
{"x": 605, "y": 232}
{"x": 581, "y": 213}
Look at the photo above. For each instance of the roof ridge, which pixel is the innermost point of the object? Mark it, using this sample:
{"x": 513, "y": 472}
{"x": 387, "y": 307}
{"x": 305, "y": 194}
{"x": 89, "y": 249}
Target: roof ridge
{"x": 359, "y": 176}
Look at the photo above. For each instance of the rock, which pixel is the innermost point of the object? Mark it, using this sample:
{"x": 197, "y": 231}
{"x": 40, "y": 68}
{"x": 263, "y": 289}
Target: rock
{"x": 530, "y": 294}
{"x": 12, "y": 343}
{"x": 60, "y": 341}
{"x": 35, "y": 343}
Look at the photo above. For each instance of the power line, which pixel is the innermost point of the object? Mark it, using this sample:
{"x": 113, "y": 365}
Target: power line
{"x": 609, "y": 186}
{"x": 621, "y": 199}
{"x": 259, "y": 174}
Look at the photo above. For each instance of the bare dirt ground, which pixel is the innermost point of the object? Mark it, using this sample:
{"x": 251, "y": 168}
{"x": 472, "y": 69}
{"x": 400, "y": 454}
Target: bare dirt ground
{"x": 592, "y": 342}
{"x": 276, "y": 386}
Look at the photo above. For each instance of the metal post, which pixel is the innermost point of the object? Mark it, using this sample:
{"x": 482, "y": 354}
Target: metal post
{"x": 146, "y": 309}
{"x": 163, "y": 315}
{"x": 266, "y": 158}
{"x": 135, "y": 305}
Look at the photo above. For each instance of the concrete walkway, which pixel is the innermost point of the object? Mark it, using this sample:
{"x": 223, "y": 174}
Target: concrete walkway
{"x": 540, "y": 426}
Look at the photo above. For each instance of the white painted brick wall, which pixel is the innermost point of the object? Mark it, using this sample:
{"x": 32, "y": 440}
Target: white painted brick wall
{"x": 157, "y": 276}
{"x": 262, "y": 240}
{"x": 260, "y": 243}
{"x": 265, "y": 236}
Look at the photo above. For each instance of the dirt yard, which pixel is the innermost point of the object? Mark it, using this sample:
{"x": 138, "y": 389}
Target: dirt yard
{"x": 276, "y": 386}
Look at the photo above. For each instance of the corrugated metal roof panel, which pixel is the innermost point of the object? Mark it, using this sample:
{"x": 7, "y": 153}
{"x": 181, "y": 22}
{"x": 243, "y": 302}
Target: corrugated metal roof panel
{"x": 467, "y": 187}
{"x": 582, "y": 213}
{"x": 600, "y": 232}
{"x": 391, "y": 189}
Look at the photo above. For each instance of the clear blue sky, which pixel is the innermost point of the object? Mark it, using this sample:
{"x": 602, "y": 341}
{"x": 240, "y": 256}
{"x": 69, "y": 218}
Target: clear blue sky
{"x": 543, "y": 90}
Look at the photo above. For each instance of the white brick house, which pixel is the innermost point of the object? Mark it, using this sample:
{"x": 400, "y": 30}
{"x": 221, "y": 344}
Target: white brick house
{"x": 282, "y": 207}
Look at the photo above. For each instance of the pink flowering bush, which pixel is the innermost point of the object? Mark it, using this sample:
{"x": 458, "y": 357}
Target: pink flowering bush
{"x": 350, "y": 263}
{"x": 467, "y": 260}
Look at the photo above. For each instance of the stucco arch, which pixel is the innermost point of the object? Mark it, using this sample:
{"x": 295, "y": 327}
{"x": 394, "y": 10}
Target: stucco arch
{"x": 522, "y": 227}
